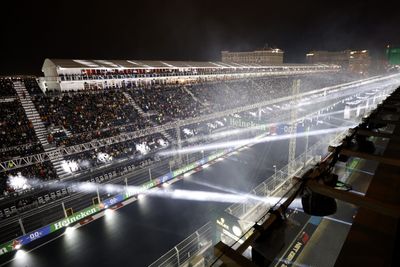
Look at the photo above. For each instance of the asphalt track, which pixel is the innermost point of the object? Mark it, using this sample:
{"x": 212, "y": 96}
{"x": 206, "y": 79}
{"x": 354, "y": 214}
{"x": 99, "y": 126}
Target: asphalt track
{"x": 138, "y": 234}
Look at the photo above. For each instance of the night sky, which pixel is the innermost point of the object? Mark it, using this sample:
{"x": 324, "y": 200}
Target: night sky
{"x": 188, "y": 30}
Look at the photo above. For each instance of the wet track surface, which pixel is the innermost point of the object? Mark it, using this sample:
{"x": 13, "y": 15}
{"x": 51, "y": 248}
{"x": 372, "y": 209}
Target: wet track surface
{"x": 138, "y": 234}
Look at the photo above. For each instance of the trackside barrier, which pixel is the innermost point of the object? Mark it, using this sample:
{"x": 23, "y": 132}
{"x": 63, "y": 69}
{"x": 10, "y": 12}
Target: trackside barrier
{"x": 78, "y": 216}
{"x": 269, "y": 187}
{"x": 193, "y": 245}
{"x": 276, "y": 181}
{"x": 199, "y": 244}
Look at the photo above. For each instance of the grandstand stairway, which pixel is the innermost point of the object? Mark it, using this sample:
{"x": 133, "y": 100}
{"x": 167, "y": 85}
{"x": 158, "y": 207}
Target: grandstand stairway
{"x": 194, "y": 97}
{"x": 55, "y": 156}
{"x": 145, "y": 115}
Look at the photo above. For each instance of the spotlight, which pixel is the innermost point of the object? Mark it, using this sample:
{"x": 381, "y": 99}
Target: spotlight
{"x": 108, "y": 212}
{"x": 69, "y": 230}
{"x": 364, "y": 145}
{"x": 317, "y": 204}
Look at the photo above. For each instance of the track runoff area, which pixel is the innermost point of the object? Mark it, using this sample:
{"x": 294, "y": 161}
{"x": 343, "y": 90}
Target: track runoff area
{"x": 201, "y": 191}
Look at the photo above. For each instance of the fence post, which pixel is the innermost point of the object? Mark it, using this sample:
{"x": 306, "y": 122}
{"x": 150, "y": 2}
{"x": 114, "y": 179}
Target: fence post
{"x": 98, "y": 194}
{"x": 177, "y": 255}
{"x": 150, "y": 173}
{"x": 65, "y": 212}
{"x": 22, "y": 226}
{"x": 198, "y": 239}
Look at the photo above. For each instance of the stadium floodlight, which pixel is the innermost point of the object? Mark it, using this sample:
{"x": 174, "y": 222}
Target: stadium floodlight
{"x": 69, "y": 230}
{"x": 108, "y": 212}
{"x": 140, "y": 196}
{"x": 205, "y": 166}
{"x": 22, "y": 258}
{"x": 18, "y": 182}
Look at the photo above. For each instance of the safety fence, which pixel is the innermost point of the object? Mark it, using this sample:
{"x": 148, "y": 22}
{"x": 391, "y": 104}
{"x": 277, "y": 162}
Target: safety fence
{"x": 195, "y": 244}
{"x": 61, "y": 219}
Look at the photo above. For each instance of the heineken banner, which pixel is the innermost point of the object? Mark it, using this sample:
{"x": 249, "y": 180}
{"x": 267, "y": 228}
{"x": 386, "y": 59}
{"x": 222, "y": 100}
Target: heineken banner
{"x": 76, "y": 217}
{"x": 45, "y": 230}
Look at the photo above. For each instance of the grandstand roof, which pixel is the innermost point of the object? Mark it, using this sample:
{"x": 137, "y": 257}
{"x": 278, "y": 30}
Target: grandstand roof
{"x": 83, "y": 63}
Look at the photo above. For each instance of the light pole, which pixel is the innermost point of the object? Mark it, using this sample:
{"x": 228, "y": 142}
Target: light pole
{"x": 274, "y": 170}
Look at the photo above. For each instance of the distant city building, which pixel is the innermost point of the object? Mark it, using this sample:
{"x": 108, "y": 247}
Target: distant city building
{"x": 354, "y": 61}
{"x": 266, "y": 56}
{"x": 393, "y": 55}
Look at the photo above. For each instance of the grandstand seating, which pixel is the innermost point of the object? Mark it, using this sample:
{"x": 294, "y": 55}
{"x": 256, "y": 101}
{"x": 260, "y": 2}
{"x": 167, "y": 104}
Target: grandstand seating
{"x": 170, "y": 102}
{"x": 15, "y": 131}
{"x": 6, "y": 88}
{"x": 77, "y": 117}
{"x": 32, "y": 86}
{"x": 84, "y": 116}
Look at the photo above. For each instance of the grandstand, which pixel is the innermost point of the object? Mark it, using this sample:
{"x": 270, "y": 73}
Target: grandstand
{"x": 83, "y": 109}
{"x": 99, "y": 120}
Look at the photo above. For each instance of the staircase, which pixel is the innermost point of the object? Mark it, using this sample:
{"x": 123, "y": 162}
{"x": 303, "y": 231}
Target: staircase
{"x": 145, "y": 115}
{"x": 135, "y": 105}
{"x": 55, "y": 156}
{"x": 194, "y": 97}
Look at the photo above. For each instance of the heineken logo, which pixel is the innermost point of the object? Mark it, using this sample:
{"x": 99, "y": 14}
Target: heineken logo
{"x": 74, "y": 218}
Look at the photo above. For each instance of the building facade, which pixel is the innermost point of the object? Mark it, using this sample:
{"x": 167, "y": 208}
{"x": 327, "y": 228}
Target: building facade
{"x": 357, "y": 61}
{"x": 393, "y": 55}
{"x": 268, "y": 56}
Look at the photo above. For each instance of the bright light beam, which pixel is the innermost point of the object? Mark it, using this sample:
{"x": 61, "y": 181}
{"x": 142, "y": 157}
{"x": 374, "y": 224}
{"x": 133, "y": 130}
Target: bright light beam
{"x": 251, "y": 141}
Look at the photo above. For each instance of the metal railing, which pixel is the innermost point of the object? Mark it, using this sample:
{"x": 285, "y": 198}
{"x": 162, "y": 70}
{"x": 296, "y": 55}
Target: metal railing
{"x": 195, "y": 244}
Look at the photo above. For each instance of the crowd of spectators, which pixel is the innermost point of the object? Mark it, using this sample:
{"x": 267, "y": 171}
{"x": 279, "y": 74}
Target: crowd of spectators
{"x": 77, "y": 117}
{"x": 32, "y": 86}
{"x": 6, "y": 88}
{"x": 15, "y": 131}
{"x": 86, "y": 115}
{"x": 171, "y": 102}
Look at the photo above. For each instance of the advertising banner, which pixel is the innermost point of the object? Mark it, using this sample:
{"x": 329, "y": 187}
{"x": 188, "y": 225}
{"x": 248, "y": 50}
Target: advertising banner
{"x": 76, "y": 217}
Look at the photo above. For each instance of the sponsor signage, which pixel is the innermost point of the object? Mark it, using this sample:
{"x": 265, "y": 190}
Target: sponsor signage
{"x": 114, "y": 200}
{"x": 76, "y": 217}
{"x": 299, "y": 244}
{"x": 287, "y": 128}
{"x": 45, "y": 230}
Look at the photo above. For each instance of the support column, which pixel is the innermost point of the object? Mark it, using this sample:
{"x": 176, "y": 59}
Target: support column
{"x": 293, "y": 128}
{"x": 178, "y": 156}
{"x": 22, "y": 226}
{"x": 306, "y": 150}
{"x": 65, "y": 211}
{"x": 98, "y": 194}
{"x": 149, "y": 173}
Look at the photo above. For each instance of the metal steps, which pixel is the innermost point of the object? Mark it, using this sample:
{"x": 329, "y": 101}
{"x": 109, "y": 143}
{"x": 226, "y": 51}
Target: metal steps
{"x": 55, "y": 156}
{"x": 145, "y": 115}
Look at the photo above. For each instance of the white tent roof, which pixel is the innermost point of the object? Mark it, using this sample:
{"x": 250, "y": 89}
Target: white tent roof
{"x": 142, "y": 64}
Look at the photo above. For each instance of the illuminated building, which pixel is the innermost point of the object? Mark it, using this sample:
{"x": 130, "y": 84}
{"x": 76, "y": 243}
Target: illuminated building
{"x": 393, "y": 55}
{"x": 271, "y": 56}
{"x": 353, "y": 61}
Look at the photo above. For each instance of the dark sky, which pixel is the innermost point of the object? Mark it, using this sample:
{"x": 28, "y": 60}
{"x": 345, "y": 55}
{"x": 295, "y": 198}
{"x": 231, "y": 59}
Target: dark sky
{"x": 187, "y": 30}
